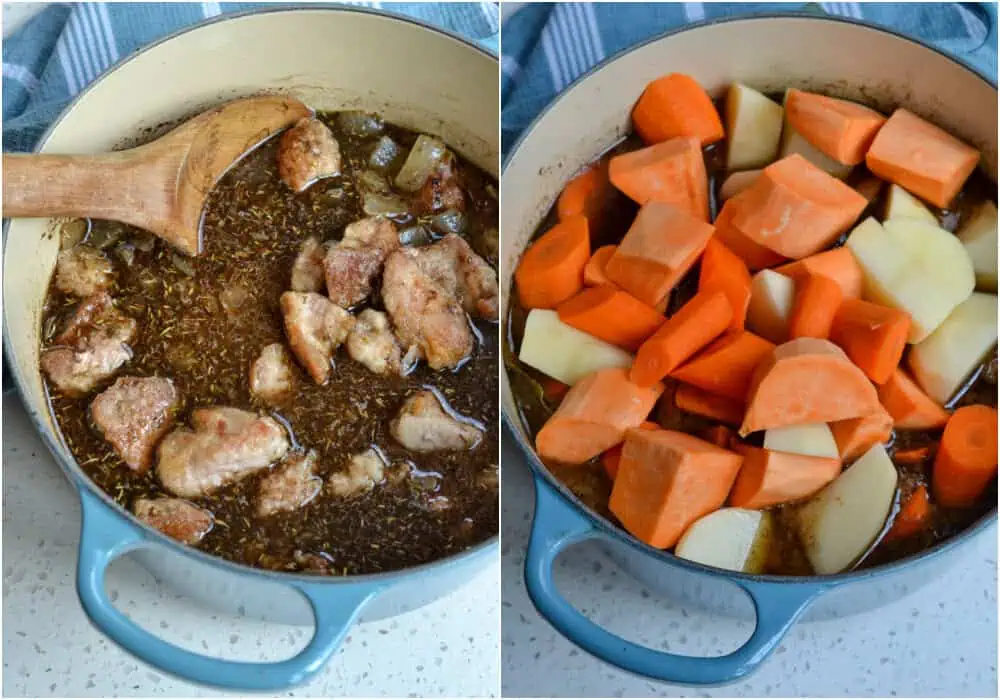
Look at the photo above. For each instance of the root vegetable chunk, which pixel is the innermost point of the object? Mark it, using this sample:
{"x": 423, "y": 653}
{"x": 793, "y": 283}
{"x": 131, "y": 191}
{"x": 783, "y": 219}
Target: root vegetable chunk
{"x": 307, "y": 152}
{"x": 676, "y": 105}
{"x": 772, "y": 296}
{"x": 133, "y": 414}
{"x": 910, "y": 407}
{"x": 290, "y": 486}
{"x": 315, "y": 328}
{"x": 753, "y": 128}
{"x": 900, "y": 204}
{"x": 425, "y": 424}
{"x": 839, "y": 264}
{"x": 563, "y": 352}
{"x": 612, "y": 315}
{"x": 271, "y": 374}
{"x": 811, "y": 439}
{"x": 671, "y": 172}
{"x": 769, "y": 478}
{"x": 726, "y": 367}
{"x": 979, "y": 236}
{"x": 966, "y": 460}
{"x": 855, "y": 436}
{"x": 841, "y": 129}
{"x": 551, "y": 269}
{"x": 736, "y": 539}
{"x": 175, "y": 517}
{"x": 83, "y": 271}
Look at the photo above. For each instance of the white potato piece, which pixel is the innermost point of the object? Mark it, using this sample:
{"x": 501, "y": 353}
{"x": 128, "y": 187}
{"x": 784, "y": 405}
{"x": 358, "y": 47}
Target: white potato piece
{"x": 736, "y": 183}
{"x": 563, "y": 352}
{"x": 914, "y": 267}
{"x": 900, "y": 204}
{"x": 729, "y": 538}
{"x": 771, "y": 297}
{"x": 943, "y": 360}
{"x": 840, "y": 523}
{"x": 813, "y": 439}
{"x": 753, "y": 128}
{"x": 979, "y": 236}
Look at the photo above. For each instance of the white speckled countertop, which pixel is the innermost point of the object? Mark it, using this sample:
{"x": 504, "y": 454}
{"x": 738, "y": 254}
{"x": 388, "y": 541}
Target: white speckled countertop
{"x": 50, "y": 648}
{"x": 939, "y": 641}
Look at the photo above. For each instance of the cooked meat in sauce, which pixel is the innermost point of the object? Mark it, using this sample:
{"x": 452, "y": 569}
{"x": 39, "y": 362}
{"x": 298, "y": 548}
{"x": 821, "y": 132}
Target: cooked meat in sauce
{"x": 245, "y": 401}
{"x": 424, "y": 425}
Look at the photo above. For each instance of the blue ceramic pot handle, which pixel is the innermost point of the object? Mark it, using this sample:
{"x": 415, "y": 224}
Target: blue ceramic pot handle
{"x": 557, "y": 525}
{"x": 105, "y": 537}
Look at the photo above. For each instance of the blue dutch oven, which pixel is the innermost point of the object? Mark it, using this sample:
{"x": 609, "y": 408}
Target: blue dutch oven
{"x": 331, "y": 58}
{"x": 771, "y": 53}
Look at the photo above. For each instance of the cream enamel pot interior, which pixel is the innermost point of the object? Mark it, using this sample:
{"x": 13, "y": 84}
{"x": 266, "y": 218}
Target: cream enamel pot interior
{"x": 331, "y": 58}
{"x": 841, "y": 57}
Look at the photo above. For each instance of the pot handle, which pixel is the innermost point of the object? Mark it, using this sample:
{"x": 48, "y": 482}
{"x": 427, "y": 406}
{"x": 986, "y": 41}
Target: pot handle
{"x": 557, "y": 525}
{"x": 105, "y": 537}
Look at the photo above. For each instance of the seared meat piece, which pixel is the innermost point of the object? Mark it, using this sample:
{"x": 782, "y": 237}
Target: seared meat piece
{"x": 424, "y": 314}
{"x": 372, "y": 343}
{"x": 364, "y": 471}
{"x": 83, "y": 271}
{"x": 271, "y": 373}
{"x": 425, "y": 425}
{"x": 353, "y": 264}
{"x": 307, "y": 152}
{"x": 133, "y": 414}
{"x": 307, "y": 271}
{"x": 91, "y": 348}
{"x": 442, "y": 190}
{"x": 453, "y": 264}
{"x": 175, "y": 517}
{"x": 315, "y": 328}
{"x": 226, "y": 445}
{"x": 291, "y": 485}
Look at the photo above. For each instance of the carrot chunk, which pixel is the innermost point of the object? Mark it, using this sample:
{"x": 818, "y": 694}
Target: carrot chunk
{"x": 817, "y": 299}
{"x": 921, "y": 158}
{"x": 589, "y": 194}
{"x": 873, "y": 336}
{"x": 660, "y": 247}
{"x": 909, "y": 406}
{"x": 611, "y": 459}
{"x": 671, "y": 172}
{"x": 912, "y": 455}
{"x": 666, "y": 481}
{"x": 913, "y": 516}
{"x": 551, "y": 269}
{"x": 839, "y": 264}
{"x": 726, "y": 366}
{"x": 676, "y": 105}
{"x": 756, "y": 256}
{"x": 700, "y": 403}
{"x": 841, "y": 129}
{"x": 966, "y": 459}
{"x": 594, "y": 416}
{"x": 807, "y": 380}
{"x": 855, "y": 436}
{"x": 724, "y": 271}
{"x": 796, "y": 209}
{"x": 768, "y": 478}
{"x": 612, "y": 315}
{"x": 593, "y": 271}
{"x": 693, "y": 327}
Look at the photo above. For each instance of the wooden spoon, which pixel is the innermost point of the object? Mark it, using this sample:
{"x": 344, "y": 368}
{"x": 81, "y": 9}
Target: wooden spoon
{"x": 161, "y": 186}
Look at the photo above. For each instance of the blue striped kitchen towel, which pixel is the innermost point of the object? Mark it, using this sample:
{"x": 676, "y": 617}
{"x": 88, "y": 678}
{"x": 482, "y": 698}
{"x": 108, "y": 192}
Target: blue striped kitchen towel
{"x": 546, "y": 46}
{"x": 67, "y": 46}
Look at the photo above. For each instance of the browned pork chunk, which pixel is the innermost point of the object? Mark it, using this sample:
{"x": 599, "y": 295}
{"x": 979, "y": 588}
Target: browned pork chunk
{"x": 373, "y": 344}
{"x": 271, "y": 374}
{"x": 354, "y": 263}
{"x": 315, "y": 328}
{"x": 425, "y": 425}
{"x": 364, "y": 471}
{"x": 453, "y": 264}
{"x": 290, "y": 486}
{"x": 442, "y": 190}
{"x": 91, "y": 348}
{"x": 307, "y": 271}
{"x": 83, "y": 271}
{"x": 226, "y": 445}
{"x": 133, "y": 414}
{"x": 423, "y": 313}
{"x": 307, "y": 152}
{"x": 175, "y": 517}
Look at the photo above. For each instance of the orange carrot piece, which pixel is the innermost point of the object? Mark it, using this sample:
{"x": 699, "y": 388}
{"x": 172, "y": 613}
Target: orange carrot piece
{"x": 671, "y": 172}
{"x": 594, "y": 416}
{"x": 912, "y": 455}
{"x": 659, "y": 248}
{"x": 817, "y": 299}
{"x": 873, "y": 336}
{"x": 589, "y": 194}
{"x": 841, "y": 129}
{"x": 676, "y": 105}
{"x": 913, "y": 516}
{"x": 796, "y": 209}
{"x": 921, "y": 158}
{"x": 726, "y": 366}
{"x": 554, "y": 390}
{"x": 909, "y": 406}
{"x": 701, "y": 403}
{"x": 593, "y": 272}
{"x": 768, "y": 478}
{"x": 724, "y": 271}
{"x": 839, "y": 264}
{"x": 551, "y": 269}
{"x": 720, "y": 435}
{"x": 756, "y": 256}
{"x": 610, "y": 314}
{"x": 855, "y": 436}
{"x": 666, "y": 481}
{"x": 806, "y": 380}
{"x": 737, "y": 182}
{"x": 611, "y": 459}
{"x": 693, "y": 327}
{"x": 966, "y": 460}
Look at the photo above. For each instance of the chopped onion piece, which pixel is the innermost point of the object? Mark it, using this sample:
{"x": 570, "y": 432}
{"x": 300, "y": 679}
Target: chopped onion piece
{"x": 376, "y": 204}
{"x": 73, "y": 232}
{"x": 425, "y": 156}
{"x": 371, "y": 181}
{"x": 360, "y": 123}
{"x": 415, "y": 235}
{"x": 126, "y": 251}
{"x": 450, "y": 221}
{"x": 384, "y": 154}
